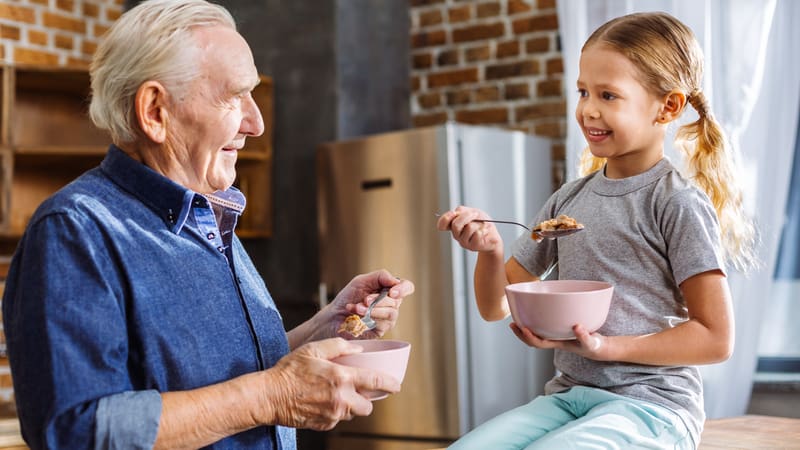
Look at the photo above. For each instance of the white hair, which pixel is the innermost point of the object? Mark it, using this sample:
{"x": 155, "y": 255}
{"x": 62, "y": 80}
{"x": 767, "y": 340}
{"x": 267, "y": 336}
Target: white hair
{"x": 152, "y": 41}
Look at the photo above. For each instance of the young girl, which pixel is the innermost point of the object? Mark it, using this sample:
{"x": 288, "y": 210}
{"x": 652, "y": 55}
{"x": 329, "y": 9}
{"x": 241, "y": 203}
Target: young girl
{"x": 660, "y": 238}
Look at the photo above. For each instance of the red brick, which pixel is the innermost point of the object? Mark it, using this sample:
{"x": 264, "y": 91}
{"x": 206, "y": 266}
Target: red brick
{"x": 37, "y": 37}
{"x": 9, "y": 32}
{"x": 507, "y": 49}
{"x": 548, "y": 22}
{"x": 549, "y": 88}
{"x": 550, "y": 128}
{"x": 488, "y": 9}
{"x": 61, "y": 22}
{"x": 489, "y": 115}
{"x": 447, "y": 58}
{"x": 546, "y": 4}
{"x": 481, "y": 53}
{"x": 555, "y": 66}
{"x": 487, "y": 94}
{"x": 538, "y": 45}
{"x": 459, "y": 14}
{"x": 35, "y": 57}
{"x": 5, "y": 381}
{"x": 16, "y": 13}
{"x": 63, "y": 41}
{"x": 78, "y": 63}
{"x": 541, "y": 110}
{"x": 429, "y": 100}
{"x": 518, "y": 7}
{"x": 112, "y": 14}
{"x": 415, "y": 84}
{"x": 453, "y": 77}
{"x": 432, "y": 17}
{"x": 88, "y": 47}
{"x": 428, "y": 39}
{"x": 558, "y": 151}
{"x": 512, "y": 70}
{"x": 65, "y": 5}
{"x": 479, "y": 32}
{"x": 460, "y": 97}
{"x": 90, "y": 9}
{"x": 99, "y": 30}
{"x": 422, "y": 60}
{"x": 517, "y": 91}
{"x": 424, "y": 120}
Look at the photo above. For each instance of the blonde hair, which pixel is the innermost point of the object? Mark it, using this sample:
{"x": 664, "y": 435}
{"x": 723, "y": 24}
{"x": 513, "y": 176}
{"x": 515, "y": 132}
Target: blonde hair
{"x": 668, "y": 57}
{"x": 152, "y": 41}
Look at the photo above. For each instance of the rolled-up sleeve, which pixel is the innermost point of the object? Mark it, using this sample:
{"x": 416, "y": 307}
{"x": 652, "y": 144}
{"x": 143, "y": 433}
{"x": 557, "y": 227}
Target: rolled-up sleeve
{"x": 128, "y": 420}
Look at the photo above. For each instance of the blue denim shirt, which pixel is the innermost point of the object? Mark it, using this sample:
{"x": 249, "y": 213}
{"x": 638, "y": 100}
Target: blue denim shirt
{"x": 126, "y": 285}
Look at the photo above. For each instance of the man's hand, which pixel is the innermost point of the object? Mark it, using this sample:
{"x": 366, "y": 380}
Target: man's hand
{"x": 306, "y": 390}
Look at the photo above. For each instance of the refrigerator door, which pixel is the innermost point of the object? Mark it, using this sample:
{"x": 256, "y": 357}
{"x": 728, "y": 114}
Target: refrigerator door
{"x": 377, "y": 202}
{"x": 508, "y": 175}
{"x": 377, "y": 199}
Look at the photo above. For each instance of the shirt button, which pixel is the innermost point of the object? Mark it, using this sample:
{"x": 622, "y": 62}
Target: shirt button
{"x": 221, "y": 249}
{"x": 211, "y": 236}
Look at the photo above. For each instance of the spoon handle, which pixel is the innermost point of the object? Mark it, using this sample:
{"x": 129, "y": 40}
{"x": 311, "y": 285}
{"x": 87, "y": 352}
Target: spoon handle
{"x": 503, "y": 221}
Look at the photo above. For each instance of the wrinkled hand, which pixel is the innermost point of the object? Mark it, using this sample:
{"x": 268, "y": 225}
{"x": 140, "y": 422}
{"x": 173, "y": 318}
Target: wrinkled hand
{"x": 313, "y": 392}
{"x": 362, "y": 290}
{"x": 589, "y": 345}
{"x": 474, "y": 236}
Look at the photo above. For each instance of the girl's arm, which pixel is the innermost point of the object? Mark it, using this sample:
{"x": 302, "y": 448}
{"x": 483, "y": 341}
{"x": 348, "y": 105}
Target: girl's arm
{"x": 492, "y": 274}
{"x": 707, "y": 337}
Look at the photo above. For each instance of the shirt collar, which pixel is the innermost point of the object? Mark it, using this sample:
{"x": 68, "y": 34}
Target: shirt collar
{"x": 171, "y": 201}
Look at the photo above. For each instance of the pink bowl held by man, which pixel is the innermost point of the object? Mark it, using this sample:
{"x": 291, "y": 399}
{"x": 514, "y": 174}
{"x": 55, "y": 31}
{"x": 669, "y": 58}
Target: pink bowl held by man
{"x": 551, "y": 308}
{"x": 385, "y": 355}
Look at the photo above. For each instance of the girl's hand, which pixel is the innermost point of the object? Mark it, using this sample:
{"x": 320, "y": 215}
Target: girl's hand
{"x": 471, "y": 235}
{"x": 589, "y": 345}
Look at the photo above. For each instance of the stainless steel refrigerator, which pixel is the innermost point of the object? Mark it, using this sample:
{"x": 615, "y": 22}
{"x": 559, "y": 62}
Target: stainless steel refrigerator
{"x": 378, "y": 197}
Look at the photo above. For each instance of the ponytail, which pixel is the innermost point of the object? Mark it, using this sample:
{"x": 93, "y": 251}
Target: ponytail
{"x": 713, "y": 169}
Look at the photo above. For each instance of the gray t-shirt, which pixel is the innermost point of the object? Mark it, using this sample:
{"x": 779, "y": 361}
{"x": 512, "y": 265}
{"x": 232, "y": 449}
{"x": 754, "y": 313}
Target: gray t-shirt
{"x": 644, "y": 234}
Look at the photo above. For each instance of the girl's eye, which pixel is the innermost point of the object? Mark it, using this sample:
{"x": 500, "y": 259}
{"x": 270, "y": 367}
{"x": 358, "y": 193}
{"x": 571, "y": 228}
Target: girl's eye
{"x": 582, "y": 93}
{"x": 608, "y": 96}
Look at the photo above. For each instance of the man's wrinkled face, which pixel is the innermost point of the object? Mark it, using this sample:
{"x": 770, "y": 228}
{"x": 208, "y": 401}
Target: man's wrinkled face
{"x": 210, "y": 122}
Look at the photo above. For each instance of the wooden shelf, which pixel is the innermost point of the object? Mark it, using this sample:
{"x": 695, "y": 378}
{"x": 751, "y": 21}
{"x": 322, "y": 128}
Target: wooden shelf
{"x": 47, "y": 140}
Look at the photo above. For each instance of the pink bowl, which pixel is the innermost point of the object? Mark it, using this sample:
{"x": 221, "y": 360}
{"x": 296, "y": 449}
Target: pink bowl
{"x": 385, "y": 355}
{"x": 551, "y": 308}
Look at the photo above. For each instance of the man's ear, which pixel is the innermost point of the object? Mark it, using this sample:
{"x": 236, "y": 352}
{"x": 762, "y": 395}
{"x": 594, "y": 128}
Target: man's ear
{"x": 151, "y": 111}
{"x": 674, "y": 102}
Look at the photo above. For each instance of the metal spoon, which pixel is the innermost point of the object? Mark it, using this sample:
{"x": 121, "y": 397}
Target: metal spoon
{"x": 367, "y": 320}
{"x": 548, "y": 234}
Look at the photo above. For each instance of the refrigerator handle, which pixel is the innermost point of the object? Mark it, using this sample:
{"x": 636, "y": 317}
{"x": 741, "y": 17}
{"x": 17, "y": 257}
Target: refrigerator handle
{"x": 323, "y": 295}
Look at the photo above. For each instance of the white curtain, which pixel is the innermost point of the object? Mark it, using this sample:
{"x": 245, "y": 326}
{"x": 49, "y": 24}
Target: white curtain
{"x": 753, "y": 82}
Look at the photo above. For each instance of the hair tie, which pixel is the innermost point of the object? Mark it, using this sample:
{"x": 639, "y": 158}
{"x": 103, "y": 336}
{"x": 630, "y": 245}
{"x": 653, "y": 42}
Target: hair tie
{"x": 698, "y": 101}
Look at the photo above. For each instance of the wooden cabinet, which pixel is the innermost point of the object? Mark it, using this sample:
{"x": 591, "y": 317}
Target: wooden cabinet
{"x": 47, "y": 139}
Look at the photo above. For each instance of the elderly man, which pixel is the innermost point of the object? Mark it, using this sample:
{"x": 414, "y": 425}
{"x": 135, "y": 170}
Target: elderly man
{"x": 134, "y": 317}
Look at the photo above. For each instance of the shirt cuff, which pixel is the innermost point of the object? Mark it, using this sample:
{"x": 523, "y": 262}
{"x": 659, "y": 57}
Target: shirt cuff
{"x": 128, "y": 420}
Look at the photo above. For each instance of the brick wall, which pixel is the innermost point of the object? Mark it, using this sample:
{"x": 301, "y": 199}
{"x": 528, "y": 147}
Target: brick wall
{"x": 54, "y": 32}
{"x": 495, "y": 63}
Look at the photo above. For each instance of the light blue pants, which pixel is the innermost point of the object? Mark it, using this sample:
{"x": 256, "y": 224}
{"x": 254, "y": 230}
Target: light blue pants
{"x": 581, "y": 418}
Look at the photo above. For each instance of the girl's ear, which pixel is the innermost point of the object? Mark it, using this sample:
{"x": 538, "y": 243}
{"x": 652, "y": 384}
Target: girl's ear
{"x": 151, "y": 111}
{"x": 674, "y": 102}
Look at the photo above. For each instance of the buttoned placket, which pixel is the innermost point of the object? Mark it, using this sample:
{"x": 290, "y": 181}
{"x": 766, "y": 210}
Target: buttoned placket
{"x": 207, "y": 223}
